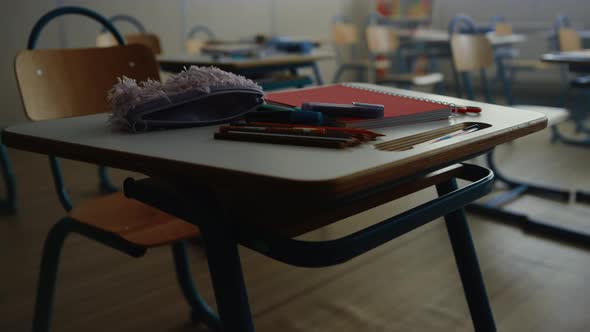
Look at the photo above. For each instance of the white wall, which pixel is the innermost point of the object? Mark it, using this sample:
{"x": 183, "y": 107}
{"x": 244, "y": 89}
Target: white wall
{"x": 230, "y": 19}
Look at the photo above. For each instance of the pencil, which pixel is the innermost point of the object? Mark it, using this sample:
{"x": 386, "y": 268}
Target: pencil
{"x": 288, "y": 131}
{"x": 361, "y": 134}
{"x": 327, "y": 142}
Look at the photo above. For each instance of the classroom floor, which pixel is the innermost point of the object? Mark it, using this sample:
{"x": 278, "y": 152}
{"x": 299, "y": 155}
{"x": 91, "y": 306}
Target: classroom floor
{"x": 409, "y": 284}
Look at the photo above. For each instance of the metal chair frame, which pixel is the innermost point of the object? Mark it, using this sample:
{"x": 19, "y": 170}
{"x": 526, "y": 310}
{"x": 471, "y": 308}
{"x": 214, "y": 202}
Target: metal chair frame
{"x": 200, "y": 312}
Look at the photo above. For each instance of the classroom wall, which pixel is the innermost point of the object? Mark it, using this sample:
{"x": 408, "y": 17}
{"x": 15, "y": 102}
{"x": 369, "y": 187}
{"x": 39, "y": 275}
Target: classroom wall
{"x": 231, "y": 19}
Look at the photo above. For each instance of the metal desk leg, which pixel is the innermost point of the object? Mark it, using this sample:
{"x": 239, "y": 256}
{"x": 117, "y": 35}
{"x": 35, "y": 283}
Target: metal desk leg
{"x": 317, "y": 74}
{"x": 105, "y": 184}
{"x": 226, "y": 274}
{"x": 467, "y": 264}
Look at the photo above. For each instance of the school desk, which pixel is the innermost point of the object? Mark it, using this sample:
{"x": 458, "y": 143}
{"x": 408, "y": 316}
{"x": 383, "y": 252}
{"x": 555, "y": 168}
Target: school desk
{"x": 578, "y": 61}
{"x": 262, "y": 195}
{"x": 249, "y": 65}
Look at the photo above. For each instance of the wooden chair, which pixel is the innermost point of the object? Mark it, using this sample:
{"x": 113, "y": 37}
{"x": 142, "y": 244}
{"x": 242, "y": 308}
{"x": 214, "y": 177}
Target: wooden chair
{"x": 512, "y": 62}
{"x": 105, "y": 39}
{"x": 150, "y": 40}
{"x": 383, "y": 43}
{"x": 198, "y": 36}
{"x": 58, "y": 83}
{"x": 345, "y": 37}
{"x": 569, "y": 39}
{"x": 474, "y": 53}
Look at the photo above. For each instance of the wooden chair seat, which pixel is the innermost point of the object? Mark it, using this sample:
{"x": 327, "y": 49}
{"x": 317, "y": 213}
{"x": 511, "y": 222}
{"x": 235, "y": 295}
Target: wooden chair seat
{"x": 527, "y": 64}
{"x": 426, "y": 79}
{"x": 555, "y": 115}
{"x": 134, "y": 221}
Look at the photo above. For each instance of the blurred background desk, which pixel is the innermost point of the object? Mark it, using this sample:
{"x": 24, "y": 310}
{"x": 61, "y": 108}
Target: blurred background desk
{"x": 257, "y": 68}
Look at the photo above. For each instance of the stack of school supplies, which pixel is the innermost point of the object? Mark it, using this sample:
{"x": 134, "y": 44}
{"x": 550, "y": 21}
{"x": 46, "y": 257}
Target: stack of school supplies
{"x": 293, "y": 134}
{"x": 398, "y": 109}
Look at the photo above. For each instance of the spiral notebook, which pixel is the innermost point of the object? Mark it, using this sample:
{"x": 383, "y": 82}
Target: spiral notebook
{"x": 399, "y": 109}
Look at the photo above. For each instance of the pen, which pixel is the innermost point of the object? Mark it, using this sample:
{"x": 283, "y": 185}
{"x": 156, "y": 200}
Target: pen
{"x": 463, "y": 131}
{"x": 355, "y": 110}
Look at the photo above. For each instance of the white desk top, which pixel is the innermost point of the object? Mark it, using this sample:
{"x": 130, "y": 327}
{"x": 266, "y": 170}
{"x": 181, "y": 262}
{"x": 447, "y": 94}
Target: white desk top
{"x": 573, "y": 57}
{"x": 194, "y": 153}
{"x": 277, "y": 58}
{"x": 441, "y": 36}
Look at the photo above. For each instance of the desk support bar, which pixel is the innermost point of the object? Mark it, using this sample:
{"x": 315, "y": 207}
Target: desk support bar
{"x": 50, "y": 263}
{"x": 495, "y": 209}
{"x": 332, "y": 252}
{"x": 221, "y": 237}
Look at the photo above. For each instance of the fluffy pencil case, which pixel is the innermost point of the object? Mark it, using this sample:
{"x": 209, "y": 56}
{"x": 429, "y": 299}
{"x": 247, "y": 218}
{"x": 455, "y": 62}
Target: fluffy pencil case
{"x": 198, "y": 96}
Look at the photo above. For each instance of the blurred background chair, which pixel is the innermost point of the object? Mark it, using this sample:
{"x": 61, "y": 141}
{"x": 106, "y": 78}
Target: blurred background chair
{"x": 105, "y": 39}
{"x": 49, "y": 92}
{"x": 473, "y": 53}
{"x": 198, "y": 36}
{"x": 345, "y": 37}
{"x": 510, "y": 56}
{"x": 383, "y": 45}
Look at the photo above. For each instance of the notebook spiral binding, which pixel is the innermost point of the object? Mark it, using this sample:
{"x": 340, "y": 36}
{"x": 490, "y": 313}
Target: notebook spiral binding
{"x": 352, "y": 85}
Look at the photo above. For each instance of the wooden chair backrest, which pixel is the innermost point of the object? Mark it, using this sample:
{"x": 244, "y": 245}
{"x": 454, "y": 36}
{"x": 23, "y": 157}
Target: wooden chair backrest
{"x": 344, "y": 34}
{"x": 59, "y": 83}
{"x": 471, "y": 52}
{"x": 503, "y": 29}
{"x": 150, "y": 40}
{"x": 194, "y": 46}
{"x": 569, "y": 40}
{"x": 381, "y": 39}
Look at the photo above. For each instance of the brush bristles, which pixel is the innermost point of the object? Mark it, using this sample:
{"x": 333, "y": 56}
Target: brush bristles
{"x": 128, "y": 94}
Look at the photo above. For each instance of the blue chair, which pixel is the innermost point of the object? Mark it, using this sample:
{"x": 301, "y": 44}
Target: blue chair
{"x": 8, "y": 204}
{"x": 112, "y": 220}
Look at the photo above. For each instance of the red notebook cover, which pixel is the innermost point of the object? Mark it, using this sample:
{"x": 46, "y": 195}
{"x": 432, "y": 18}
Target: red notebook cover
{"x": 398, "y": 109}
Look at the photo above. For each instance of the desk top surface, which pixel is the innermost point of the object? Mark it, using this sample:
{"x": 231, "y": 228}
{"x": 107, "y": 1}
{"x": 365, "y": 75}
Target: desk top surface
{"x": 246, "y": 62}
{"x": 573, "y": 57}
{"x": 441, "y": 36}
{"x": 193, "y": 155}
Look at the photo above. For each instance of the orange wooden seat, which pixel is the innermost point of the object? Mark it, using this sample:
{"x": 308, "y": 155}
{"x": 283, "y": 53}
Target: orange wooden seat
{"x": 133, "y": 221}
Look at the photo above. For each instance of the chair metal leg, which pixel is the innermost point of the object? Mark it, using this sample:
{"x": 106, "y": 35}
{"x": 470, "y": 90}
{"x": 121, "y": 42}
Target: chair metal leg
{"x": 50, "y": 263}
{"x": 60, "y": 187}
{"x": 317, "y": 74}
{"x": 105, "y": 184}
{"x": 200, "y": 311}
{"x": 9, "y": 204}
{"x": 48, "y": 275}
{"x": 337, "y": 75}
{"x": 226, "y": 274}
{"x": 494, "y": 209}
{"x": 467, "y": 264}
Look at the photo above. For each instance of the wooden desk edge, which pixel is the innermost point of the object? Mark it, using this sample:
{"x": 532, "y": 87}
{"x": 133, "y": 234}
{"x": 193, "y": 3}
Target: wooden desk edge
{"x": 236, "y": 181}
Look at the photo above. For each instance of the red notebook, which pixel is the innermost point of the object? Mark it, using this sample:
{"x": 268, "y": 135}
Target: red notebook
{"x": 399, "y": 109}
